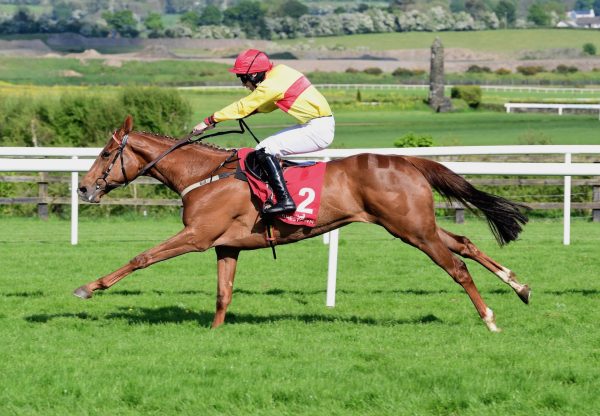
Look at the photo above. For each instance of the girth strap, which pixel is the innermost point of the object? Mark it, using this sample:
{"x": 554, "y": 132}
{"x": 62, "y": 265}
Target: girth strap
{"x": 205, "y": 182}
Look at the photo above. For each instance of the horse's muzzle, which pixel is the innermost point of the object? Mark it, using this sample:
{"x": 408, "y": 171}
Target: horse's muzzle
{"x": 90, "y": 195}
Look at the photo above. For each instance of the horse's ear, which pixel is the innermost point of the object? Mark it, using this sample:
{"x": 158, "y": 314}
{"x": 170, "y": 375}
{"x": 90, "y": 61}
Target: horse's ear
{"x": 128, "y": 125}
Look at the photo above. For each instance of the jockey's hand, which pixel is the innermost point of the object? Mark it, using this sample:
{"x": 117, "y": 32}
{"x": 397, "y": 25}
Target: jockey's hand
{"x": 201, "y": 128}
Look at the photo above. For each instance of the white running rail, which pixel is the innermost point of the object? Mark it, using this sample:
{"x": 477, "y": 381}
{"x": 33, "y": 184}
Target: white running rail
{"x": 559, "y": 107}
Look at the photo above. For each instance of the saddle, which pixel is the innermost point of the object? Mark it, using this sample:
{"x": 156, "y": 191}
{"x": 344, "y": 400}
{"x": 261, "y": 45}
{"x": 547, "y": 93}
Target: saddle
{"x": 254, "y": 168}
{"x": 304, "y": 181}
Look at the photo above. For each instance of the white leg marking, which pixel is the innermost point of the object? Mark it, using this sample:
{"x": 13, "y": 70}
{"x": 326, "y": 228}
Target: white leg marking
{"x": 505, "y": 276}
{"x": 490, "y": 320}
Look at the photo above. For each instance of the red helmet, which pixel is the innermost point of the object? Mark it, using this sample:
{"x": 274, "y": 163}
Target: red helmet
{"x": 251, "y": 61}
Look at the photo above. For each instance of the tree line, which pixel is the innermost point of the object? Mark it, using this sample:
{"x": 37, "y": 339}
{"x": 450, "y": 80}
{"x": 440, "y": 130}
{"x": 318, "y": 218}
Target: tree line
{"x": 282, "y": 19}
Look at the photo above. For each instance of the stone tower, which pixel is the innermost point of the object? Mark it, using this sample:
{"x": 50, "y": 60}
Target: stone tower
{"x": 437, "y": 101}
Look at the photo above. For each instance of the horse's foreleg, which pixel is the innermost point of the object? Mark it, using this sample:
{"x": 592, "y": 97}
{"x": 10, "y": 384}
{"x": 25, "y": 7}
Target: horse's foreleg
{"x": 463, "y": 246}
{"x": 226, "y": 264}
{"x": 181, "y": 243}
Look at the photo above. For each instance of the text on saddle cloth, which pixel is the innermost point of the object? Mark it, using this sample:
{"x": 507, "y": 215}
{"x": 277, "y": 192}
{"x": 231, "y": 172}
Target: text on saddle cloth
{"x": 304, "y": 184}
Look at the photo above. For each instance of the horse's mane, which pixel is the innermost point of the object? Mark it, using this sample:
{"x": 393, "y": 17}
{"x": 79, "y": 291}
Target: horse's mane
{"x": 209, "y": 146}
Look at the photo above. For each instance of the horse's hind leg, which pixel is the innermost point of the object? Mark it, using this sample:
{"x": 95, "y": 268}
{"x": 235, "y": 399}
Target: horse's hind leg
{"x": 424, "y": 237}
{"x": 456, "y": 268}
{"x": 226, "y": 264}
{"x": 463, "y": 246}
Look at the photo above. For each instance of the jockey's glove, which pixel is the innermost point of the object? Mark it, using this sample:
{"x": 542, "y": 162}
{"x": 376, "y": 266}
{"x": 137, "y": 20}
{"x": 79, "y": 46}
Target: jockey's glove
{"x": 202, "y": 127}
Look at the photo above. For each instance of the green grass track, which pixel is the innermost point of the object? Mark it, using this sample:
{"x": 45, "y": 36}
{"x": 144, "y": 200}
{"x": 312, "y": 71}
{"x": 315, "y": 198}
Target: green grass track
{"x": 402, "y": 340}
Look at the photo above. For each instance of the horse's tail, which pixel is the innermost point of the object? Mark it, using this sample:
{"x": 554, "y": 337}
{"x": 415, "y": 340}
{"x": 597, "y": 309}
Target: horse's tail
{"x": 504, "y": 217}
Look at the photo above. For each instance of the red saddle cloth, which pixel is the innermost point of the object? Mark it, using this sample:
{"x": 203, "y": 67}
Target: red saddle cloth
{"x": 304, "y": 184}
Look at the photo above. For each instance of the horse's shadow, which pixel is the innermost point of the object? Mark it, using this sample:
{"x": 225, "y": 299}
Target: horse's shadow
{"x": 24, "y": 294}
{"x": 278, "y": 292}
{"x": 582, "y": 292}
{"x": 44, "y": 317}
{"x": 175, "y": 314}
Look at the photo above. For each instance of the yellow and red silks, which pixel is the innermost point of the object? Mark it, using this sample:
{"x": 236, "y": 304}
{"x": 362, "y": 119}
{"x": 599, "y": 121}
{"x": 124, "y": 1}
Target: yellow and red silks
{"x": 283, "y": 88}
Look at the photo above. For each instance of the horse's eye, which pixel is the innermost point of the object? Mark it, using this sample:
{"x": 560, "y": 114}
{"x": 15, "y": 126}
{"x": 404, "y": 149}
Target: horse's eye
{"x": 105, "y": 154}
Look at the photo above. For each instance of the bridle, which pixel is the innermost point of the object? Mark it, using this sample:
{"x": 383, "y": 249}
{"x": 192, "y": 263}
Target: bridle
{"x": 119, "y": 155}
{"x": 190, "y": 138}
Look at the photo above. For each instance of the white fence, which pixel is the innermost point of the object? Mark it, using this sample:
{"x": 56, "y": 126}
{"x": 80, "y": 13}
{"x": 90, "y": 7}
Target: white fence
{"x": 74, "y": 160}
{"x": 424, "y": 86}
{"x": 559, "y": 107}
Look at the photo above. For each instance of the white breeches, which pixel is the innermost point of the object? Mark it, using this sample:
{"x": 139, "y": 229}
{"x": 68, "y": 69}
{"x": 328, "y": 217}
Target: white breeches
{"x": 314, "y": 135}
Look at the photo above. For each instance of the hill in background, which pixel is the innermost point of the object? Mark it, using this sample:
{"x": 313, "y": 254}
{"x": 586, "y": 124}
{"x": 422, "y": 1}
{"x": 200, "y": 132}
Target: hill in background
{"x": 492, "y": 49}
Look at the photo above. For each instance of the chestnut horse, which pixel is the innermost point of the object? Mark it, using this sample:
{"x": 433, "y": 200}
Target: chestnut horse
{"x": 392, "y": 191}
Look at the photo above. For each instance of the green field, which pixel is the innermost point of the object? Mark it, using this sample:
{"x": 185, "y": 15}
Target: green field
{"x": 37, "y": 10}
{"x": 370, "y": 129}
{"x": 366, "y": 125}
{"x": 490, "y": 40}
{"x": 512, "y": 41}
{"x": 383, "y": 116}
{"x": 67, "y": 71}
{"x": 402, "y": 339}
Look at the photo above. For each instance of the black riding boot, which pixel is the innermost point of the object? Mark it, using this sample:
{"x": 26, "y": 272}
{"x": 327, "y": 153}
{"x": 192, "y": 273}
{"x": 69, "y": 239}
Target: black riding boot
{"x": 285, "y": 204}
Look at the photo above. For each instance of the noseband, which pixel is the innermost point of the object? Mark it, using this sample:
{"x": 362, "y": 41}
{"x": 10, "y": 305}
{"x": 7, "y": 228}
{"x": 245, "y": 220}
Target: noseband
{"x": 119, "y": 155}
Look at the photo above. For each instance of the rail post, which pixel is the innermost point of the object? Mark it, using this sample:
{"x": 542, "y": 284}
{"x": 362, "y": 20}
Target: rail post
{"x": 596, "y": 198}
{"x": 332, "y": 267}
{"x": 74, "y": 205}
{"x": 567, "y": 205}
{"x": 459, "y": 215}
{"x": 42, "y": 207}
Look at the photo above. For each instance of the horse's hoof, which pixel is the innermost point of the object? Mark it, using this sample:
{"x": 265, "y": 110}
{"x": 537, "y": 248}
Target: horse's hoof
{"x": 525, "y": 294}
{"x": 82, "y": 292}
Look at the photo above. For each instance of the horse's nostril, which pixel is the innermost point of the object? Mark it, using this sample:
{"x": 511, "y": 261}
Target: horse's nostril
{"x": 83, "y": 189}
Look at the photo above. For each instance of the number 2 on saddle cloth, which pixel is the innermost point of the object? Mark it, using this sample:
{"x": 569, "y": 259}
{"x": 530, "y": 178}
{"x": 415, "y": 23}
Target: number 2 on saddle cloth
{"x": 304, "y": 183}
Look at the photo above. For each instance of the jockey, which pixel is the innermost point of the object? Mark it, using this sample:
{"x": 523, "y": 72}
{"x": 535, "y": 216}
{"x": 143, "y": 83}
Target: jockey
{"x": 272, "y": 87}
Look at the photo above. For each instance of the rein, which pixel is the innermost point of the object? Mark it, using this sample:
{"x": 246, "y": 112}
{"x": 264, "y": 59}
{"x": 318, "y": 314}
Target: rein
{"x": 180, "y": 143}
{"x": 189, "y": 139}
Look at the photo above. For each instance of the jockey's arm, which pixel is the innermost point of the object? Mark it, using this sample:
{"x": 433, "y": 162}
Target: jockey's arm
{"x": 261, "y": 100}
{"x": 267, "y": 107}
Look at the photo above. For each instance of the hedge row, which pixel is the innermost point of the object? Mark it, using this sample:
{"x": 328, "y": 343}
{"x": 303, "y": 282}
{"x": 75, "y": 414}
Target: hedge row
{"x": 86, "y": 120}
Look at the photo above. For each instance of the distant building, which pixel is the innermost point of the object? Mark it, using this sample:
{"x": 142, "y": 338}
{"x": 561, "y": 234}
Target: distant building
{"x": 578, "y": 14}
{"x": 580, "y": 19}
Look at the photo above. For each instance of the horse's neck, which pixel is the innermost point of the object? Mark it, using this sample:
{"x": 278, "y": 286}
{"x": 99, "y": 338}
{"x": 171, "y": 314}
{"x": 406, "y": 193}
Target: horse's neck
{"x": 180, "y": 168}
